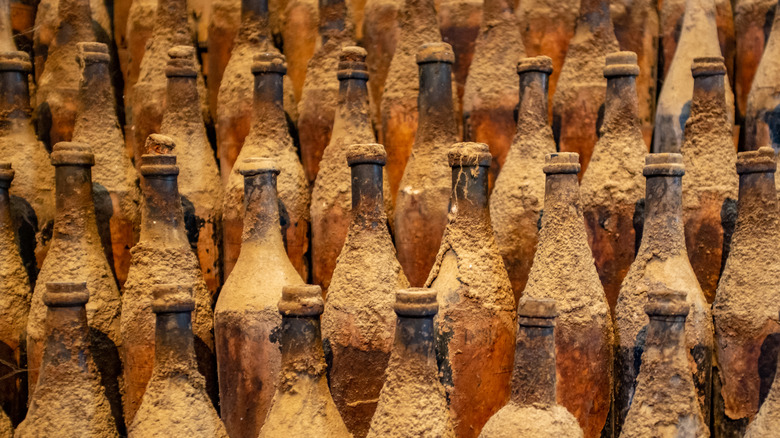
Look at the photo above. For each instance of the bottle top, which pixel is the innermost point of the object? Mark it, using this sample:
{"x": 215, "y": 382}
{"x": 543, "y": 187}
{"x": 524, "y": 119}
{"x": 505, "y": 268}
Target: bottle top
{"x": 159, "y": 165}
{"x": 621, "y": 64}
{"x": 537, "y": 63}
{"x": 664, "y": 164}
{"x": 15, "y": 61}
{"x": 158, "y": 144}
{"x": 416, "y": 302}
{"x": 181, "y": 62}
{"x": 435, "y": 52}
{"x": 257, "y": 165}
{"x": 301, "y": 300}
{"x": 469, "y": 154}
{"x": 352, "y": 63}
{"x": 366, "y": 153}
{"x": 762, "y": 160}
{"x": 708, "y": 66}
{"x": 172, "y": 298}
{"x": 562, "y": 162}
{"x": 93, "y": 52}
{"x": 66, "y": 153}
{"x": 269, "y": 62}
{"x": 666, "y": 302}
{"x": 6, "y": 175}
{"x": 537, "y": 312}
{"x": 66, "y": 294}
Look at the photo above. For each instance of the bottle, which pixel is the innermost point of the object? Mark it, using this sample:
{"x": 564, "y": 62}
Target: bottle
{"x": 417, "y": 25}
{"x": 475, "y": 327}
{"x": 32, "y": 194}
{"x": 412, "y": 374}
{"x": 579, "y": 94}
{"x": 761, "y": 113}
{"x": 299, "y": 33}
{"x": 613, "y": 188}
{"x": 15, "y": 293}
{"x": 302, "y": 405}
{"x": 330, "y": 209}
{"x": 76, "y": 254}
{"x": 459, "y": 23}
{"x": 661, "y": 261}
{"x": 533, "y": 380}
{"x": 269, "y": 137}
{"x": 319, "y": 97}
{"x": 176, "y": 401}
{"x": 752, "y": 27}
{"x": 380, "y": 36}
{"x": 140, "y": 28}
{"x": 765, "y": 423}
{"x": 423, "y": 197}
{"x": 666, "y": 401}
{"x": 200, "y": 184}
{"x": 563, "y": 269}
{"x": 490, "y": 93}
{"x": 710, "y": 185}
{"x": 7, "y": 43}
{"x": 70, "y": 398}
{"x": 699, "y": 38}
{"x": 162, "y": 254}
{"x": 246, "y": 319}
{"x": 518, "y": 197}
{"x": 358, "y": 320}
{"x": 226, "y": 20}
{"x": 744, "y": 309}
{"x": 118, "y": 199}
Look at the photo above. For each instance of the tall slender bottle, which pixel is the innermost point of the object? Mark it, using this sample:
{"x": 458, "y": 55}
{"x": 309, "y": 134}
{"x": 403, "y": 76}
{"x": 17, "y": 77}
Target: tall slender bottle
{"x": 752, "y": 26}
{"x": 699, "y": 38}
{"x": 762, "y": 115}
{"x": 358, "y": 320}
{"x": 319, "y": 97}
{"x": 225, "y": 21}
{"x": 269, "y": 137}
{"x": 299, "y": 33}
{"x": 246, "y": 319}
{"x": 380, "y": 36}
{"x": 412, "y": 374}
{"x": 422, "y": 201}
{"x": 661, "y": 261}
{"x": 613, "y": 186}
{"x": 418, "y": 25}
{"x": 118, "y": 197}
{"x": 518, "y": 197}
{"x": 475, "y": 328}
{"x": 766, "y": 422}
{"x": 76, "y": 254}
{"x": 33, "y": 189}
{"x": 533, "y": 380}
{"x": 709, "y": 185}
{"x": 459, "y": 23}
{"x": 176, "y": 401}
{"x": 162, "y": 254}
{"x": 665, "y": 402}
{"x": 563, "y": 269}
{"x": 70, "y": 398}
{"x": 200, "y": 185}
{"x": 490, "y": 92}
{"x": 15, "y": 294}
{"x": 746, "y": 331}
{"x": 302, "y": 405}
{"x": 140, "y": 28}
{"x": 579, "y": 94}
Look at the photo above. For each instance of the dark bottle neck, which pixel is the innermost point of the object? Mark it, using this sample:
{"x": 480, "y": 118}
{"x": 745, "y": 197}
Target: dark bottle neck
{"x": 182, "y": 100}
{"x": 470, "y": 194}
{"x": 665, "y": 333}
{"x": 261, "y": 217}
{"x": 163, "y": 219}
{"x": 709, "y": 97}
{"x": 96, "y": 98}
{"x": 75, "y": 22}
{"x": 75, "y": 207}
{"x": 268, "y": 102}
{"x": 434, "y": 103}
{"x": 533, "y": 100}
{"x": 302, "y": 353}
{"x": 333, "y": 15}
{"x": 67, "y": 338}
{"x": 663, "y": 223}
{"x": 171, "y": 20}
{"x": 174, "y": 348}
{"x": 594, "y": 17}
{"x": 254, "y": 20}
{"x": 367, "y": 197}
{"x": 414, "y": 341}
{"x": 14, "y": 97}
{"x": 620, "y": 104}
{"x": 757, "y": 195}
{"x": 353, "y": 110}
{"x": 533, "y": 379}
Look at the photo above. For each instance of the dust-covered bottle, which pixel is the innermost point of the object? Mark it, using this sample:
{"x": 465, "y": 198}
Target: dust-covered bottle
{"x": 752, "y": 28}
{"x": 299, "y": 33}
{"x": 380, "y": 36}
{"x": 766, "y": 422}
{"x": 459, "y": 24}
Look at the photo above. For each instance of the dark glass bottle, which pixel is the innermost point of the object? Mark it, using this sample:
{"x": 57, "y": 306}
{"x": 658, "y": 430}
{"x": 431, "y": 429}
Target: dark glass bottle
{"x": 766, "y": 422}
{"x": 752, "y": 26}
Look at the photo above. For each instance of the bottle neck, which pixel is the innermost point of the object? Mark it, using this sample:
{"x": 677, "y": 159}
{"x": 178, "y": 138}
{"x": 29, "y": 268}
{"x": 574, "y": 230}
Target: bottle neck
{"x": 533, "y": 379}
{"x": 333, "y": 14}
{"x": 74, "y": 205}
{"x": 182, "y": 100}
{"x": 533, "y": 100}
{"x": 353, "y": 110}
{"x": 562, "y": 190}
{"x": 254, "y": 20}
{"x": 594, "y": 16}
{"x": 469, "y": 193}
{"x": 261, "y": 217}
{"x": 67, "y": 337}
{"x": 414, "y": 341}
{"x": 665, "y": 334}
{"x": 75, "y": 22}
{"x": 7, "y": 43}
{"x": 269, "y": 103}
{"x": 620, "y": 104}
{"x": 171, "y": 20}
{"x": 367, "y": 196}
{"x": 301, "y": 346}
{"x": 163, "y": 219}
{"x": 96, "y": 99}
{"x": 14, "y": 97}
{"x": 174, "y": 348}
{"x": 709, "y": 97}
{"x": 757, "y": 195}
{"x": 663, "y": 212}
{"x": 434, "y": 102}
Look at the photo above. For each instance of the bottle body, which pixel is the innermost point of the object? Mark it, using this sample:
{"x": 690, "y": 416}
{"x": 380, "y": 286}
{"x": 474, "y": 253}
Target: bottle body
{"x": 459, "y": 24}
{"x": 752, "y": 30}
{"x": 380, "y": 36}
{"x": 300, "y": 35}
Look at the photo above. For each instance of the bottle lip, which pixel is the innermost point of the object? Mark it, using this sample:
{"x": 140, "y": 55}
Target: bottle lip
{"x": 66, "y": 294}
{"x": 666, "y": 302}
{"x": 269, "y": 62}
{"x": 708, "y": 66}
{"x": 15, "y": 61}
{"x": 539, "y": 312}
{"x": 6, "y": 175}
{"x": 172, "y": 298}
{"x": 435, "y": 52}
{"x": 257, "y": 165}
{"x": 366, "y": 153}
{"x": 664, "y": 164}
{"x": 621, "y": 64}
{"x": 416, "y": 302}
{"x": 466, "y": 154}
{"x": 93, "y": 52}
{"x": 301, "y": 300}
{"x": 562, "y": 163}
{"x": 758, "y": 161}
{"x": 66, "y": 153}
{"x": 541, "y": 64}
{"x": 181, "y": 62}
{"x": 158, "y": 165}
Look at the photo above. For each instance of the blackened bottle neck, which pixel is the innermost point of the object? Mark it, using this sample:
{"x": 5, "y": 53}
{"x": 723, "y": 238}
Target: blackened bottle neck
{"x": 709, "y": 96}
{"x": 353, "y": 110}
{"x": 75, "y": 22}
{"x": 261, "y": 217}
{"x": 75, "y": 208}
{"x": 663, "y": 225}
{"x": 620, "y": 104}
{"x": 414, "y": 340}
{"x": 183, "y": 102}
{"x": 469, "y": 193}
{"x": 254, "y": 21}
{"x": 533, "y": 99}
{"x": 665, "y": 333}
{"x": 14, "y": 98}
{"x": 302, "y": 354}
{"x": 268, "y": 102}
{"x": 533, "y": 379}
{"x": 333, "y": 15}
{"x": 174, "y": 349}
{"x": 163, "y": 219}
{"x": 171, "y": 20}
{"x": 67, "y": 338}
{"x": 367, "y": 197}
{"x": 436, "y": 126}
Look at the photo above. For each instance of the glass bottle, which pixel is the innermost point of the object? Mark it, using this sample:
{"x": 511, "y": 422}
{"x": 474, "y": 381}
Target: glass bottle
{"x": 765, "y": 423}
{"x": 380, "y": 36}
{"x": 299, "y": 33}
{"x": 140, "y": 28}
{"x": 459, "y": 24}
{"x": 752, "y": 26}
{"x": 226, "y": 21}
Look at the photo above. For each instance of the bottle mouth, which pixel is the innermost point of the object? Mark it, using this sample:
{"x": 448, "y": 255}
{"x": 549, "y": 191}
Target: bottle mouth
{"x": 466, "y": 154}
{"x": 93, "y": 52}
{"x": 301, "y": 300}
{"x": 435, "y": 52}
{"x": 416, "y": 302}
{"x": 665, "y": 302}
{"x": 366, "y": 153}
{"x": 708, "y": 66}
{"x": 258, "y": 165}
{"x": 621, "y": 64}
{"x": 172, "y": 298}
{"x": 181, "y": 62}
{"x": 541, "y": 64}
{"x": 537, "y": 312}
{"x": 269, "y": 62}
{"x": 760, "y": 161}
{"x": 66, "y": 294}
{"x": 664, "y": 164}
{"x": 158, "y": 165}
{"x": 15, "y": 61}
{"x": 562, "y": 163}
{"x": 72, "y": 154}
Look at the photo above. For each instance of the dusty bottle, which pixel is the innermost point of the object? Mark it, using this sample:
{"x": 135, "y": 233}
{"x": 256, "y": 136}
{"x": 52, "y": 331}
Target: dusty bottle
{"x": 76, "y": 254}
{"x": 33, "y": 189}
{"x": 70, "y": 398}
{"x": 15, "y": 293}
{"x": 613, "y": 187}
{"x": 709, "y": 185}
{"x": 475, "y": 327}
{"x": 665, "y": 402}
{"x": 176, "y": 401}
{"x": 518, "y": 197}
{"x": 459, "y": 23}
{"x": 299, "y": 32}
{"x": 579, "y": 94}
{"x": 490, "y": 96}
{"x": 118, "y": 198}
{"x": 762, "y": 112}
{"x": 140, "y": 28}
{"x": 661, "y": 261}
{"x": 380, "y": 35}
{"x": 358, "y": 321}
{"x": 331, "y": 199}
{"x": 533, "y": 381}
{"x": 200, "y": 185}
{"x": 302, "y": 405}
{"x": 412, "y": 374}
{"x": 7, "y": 43}
{"x": 417, "y": 25}
{"x": 422, "y": 201}
{"x": 563, "y": 269}
{"x": 746, "y": 331}
{"x": 269, "y": 137}
{"x": 246, "y": 319}
{"x": 752, "y": 26}
{"x": 699, "y": 38}
{"x": 225, "y": 21}
{"x": 765, "y": 424}
{"x": 319, "y": 97}
{"x": 163, "y": 254}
